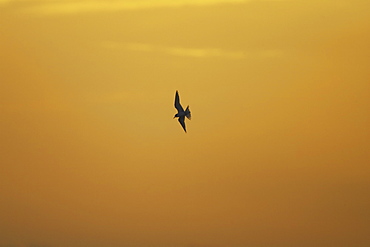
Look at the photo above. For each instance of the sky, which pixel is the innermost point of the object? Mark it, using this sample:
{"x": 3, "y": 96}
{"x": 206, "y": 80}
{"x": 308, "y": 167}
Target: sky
{"x": 276, "y": 154}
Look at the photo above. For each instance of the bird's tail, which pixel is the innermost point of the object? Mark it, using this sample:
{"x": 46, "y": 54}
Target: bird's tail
{"x": 188, "y": 113}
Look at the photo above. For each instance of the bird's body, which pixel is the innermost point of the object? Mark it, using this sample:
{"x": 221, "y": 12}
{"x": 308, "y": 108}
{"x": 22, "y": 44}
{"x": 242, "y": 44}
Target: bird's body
{"x": 181, "y": 114}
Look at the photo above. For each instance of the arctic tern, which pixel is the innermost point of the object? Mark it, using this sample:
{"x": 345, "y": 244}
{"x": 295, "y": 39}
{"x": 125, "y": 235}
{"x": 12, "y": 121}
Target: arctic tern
{"x": 181, "y": 114}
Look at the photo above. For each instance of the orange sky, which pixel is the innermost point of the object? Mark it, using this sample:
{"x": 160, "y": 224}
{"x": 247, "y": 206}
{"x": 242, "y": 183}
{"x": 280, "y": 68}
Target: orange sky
{"x": 276, "y": 154}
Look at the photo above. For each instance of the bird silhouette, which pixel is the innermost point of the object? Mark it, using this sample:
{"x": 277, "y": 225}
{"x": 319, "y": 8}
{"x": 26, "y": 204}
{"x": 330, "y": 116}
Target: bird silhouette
{"x": 181, "y": 114}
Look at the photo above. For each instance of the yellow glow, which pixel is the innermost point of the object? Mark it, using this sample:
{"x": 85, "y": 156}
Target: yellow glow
{"x": 181, "y": 51}
{"x": 276, "y": 153}
{"x": 60, "y": 7}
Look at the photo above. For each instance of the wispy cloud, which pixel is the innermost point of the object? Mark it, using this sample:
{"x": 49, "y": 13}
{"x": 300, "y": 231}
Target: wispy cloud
{"x": 188, "y": 52}
{"x": 77, "y": 6}
{"x": 176, "y": 50}
{"x": 193, "y": 52}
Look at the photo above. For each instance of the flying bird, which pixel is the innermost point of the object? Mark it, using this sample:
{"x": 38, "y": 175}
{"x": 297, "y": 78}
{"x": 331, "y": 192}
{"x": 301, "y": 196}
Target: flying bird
{"x": 181, "y": 114}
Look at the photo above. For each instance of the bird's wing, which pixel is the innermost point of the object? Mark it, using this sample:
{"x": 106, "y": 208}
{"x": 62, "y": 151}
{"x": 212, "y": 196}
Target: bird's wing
{"x": 177, "y": 103}
{"x": 182, "y": 122}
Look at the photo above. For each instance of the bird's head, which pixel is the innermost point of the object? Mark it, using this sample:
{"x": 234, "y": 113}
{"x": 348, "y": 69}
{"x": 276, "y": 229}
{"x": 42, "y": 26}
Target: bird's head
{"x": 176, "y": 115}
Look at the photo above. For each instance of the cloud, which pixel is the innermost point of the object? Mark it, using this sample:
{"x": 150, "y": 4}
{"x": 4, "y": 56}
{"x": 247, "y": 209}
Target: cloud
{"x": 194, "y": 52}
{"x": 179, "y": 51}
{"x": 176, "y": 50}
{"x": 77, "y": 6}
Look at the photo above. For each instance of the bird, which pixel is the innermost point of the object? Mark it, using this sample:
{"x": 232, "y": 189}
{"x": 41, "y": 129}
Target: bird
{"x": 181, "y": 114}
